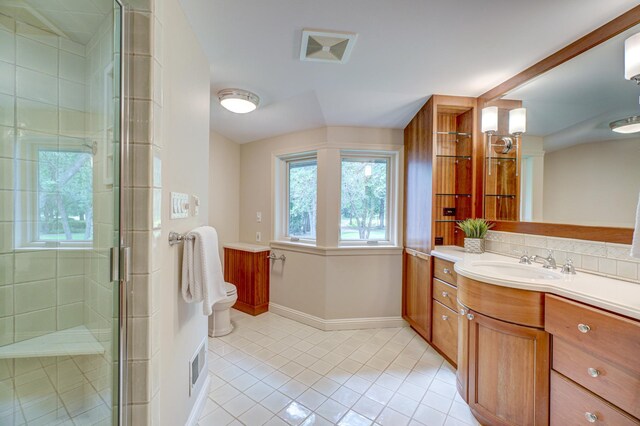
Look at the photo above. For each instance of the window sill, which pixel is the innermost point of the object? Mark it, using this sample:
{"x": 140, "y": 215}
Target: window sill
{"x": 353, "y": 250}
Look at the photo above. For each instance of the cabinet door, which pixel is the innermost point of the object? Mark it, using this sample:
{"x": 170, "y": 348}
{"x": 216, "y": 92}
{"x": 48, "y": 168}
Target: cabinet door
{"x": 508, "y": 372}
{"x": 417, "y": 293}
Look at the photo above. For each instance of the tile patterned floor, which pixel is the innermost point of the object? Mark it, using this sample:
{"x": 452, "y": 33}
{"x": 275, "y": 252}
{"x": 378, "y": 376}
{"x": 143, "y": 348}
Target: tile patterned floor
{"x": 274, "y": 371}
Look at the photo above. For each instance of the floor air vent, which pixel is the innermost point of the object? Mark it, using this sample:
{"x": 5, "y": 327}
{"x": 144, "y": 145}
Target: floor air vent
{"x": 323, "y": 46}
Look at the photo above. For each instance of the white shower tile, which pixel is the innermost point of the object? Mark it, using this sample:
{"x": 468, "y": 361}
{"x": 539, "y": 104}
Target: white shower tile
{"x": 36, "y": 56}
{"x": 7, "y": 110}
{"x": 7, "y": 78}
{"x": 72, "y": 95}
{"x": 35, "y": 296}
{"x": 36, "y": 86}
{"x": 37, "y": 116}
{"x": 7, "y": 41}
{"x": 72, "y": 67}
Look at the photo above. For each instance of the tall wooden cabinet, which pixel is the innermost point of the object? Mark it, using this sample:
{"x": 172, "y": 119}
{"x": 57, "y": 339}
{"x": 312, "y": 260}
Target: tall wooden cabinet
{"x": 441, "y": 176}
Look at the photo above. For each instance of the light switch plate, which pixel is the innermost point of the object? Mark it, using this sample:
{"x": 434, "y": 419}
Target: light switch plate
{"x": 179, "y": 205}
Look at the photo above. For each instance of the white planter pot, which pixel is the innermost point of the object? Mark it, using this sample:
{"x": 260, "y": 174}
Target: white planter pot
{"x": 474, "y": 245}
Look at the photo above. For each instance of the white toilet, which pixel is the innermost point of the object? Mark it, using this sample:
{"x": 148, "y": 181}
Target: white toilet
{"x": 220, "y": 320}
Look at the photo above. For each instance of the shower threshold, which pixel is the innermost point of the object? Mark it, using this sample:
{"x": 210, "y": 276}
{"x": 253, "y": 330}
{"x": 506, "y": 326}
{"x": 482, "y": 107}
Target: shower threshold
{"x": 71, "y": 341}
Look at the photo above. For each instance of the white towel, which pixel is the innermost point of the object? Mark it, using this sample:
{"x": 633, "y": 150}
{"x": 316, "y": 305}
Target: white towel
{"x": 202, "y": 279}
{"x": 635, "y": 245}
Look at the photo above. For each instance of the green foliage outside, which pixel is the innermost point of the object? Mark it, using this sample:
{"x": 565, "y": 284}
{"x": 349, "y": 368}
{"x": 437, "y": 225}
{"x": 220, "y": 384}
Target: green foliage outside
{"x": 364, "y": 198}
{"x": 303, "y": 198}
{"x": 65, "y": 191}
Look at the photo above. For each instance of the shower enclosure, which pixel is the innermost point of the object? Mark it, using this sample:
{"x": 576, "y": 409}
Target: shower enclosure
{"x": 60, "y": 237}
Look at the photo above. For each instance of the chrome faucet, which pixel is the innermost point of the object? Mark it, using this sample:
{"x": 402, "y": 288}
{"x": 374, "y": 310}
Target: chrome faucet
{"x": 548, "y": 262}
{"x": 525, "y": 259}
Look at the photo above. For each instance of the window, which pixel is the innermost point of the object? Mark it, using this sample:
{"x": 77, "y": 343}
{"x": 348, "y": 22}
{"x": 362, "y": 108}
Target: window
{"x": 364, "y": 210}
{"x": 65, "y": 196}
{"x": 302, "y": 198}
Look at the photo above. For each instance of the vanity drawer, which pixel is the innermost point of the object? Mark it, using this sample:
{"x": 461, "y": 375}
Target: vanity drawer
{"x": 444, "y": 330}
{"x": 603, "y": 378}
{"x": 571, "y": 404}
{"x": 445, "y": 294}
{"x": 611, "y": 337}
{"x": 443, "y": 270}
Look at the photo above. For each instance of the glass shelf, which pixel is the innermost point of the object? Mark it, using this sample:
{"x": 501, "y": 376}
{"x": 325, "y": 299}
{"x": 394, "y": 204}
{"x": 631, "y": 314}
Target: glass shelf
{"x": 451, "y": 195}
{"x": 463, "y": 134}
{"x": 464, "y": 157}
{"x": 501, "y": 158}
{"x": 500, "y": 195}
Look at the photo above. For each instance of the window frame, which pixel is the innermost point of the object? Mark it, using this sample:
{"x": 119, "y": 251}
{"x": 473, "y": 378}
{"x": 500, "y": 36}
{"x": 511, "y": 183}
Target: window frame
{"x": 27, "y": 234}
{"x": 391, "y": 205}
{"x": 283, "y": 219}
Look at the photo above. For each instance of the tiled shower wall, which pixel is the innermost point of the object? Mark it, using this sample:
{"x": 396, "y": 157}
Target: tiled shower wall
{"x": 42, "y": 90}
{"x": 608, "y": 259}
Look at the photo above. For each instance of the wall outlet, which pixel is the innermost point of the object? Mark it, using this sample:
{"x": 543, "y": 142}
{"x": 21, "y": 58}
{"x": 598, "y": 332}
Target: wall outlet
{"x": 258, "y": 236}
{"x": 196, "y": 205}
{"x": 259, "y": 217}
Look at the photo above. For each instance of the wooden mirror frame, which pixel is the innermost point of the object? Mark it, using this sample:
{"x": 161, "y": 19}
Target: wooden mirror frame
{"x": 611, "y": 29}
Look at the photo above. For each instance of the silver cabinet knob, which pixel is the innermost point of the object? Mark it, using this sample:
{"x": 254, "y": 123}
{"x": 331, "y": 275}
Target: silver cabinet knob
{"x": 593, "y": 372}
{"x": 446, "y": 271}
{"x": 591, "y": 417}
{"x": 445, "y": 317}
{"x": 445, "y": 294}
{"x": 584, "y": 328}
{"x": 470, "y": 317}
{"x": 463, "y": 311}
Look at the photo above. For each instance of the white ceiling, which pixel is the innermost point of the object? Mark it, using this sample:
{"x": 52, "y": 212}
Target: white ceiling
{"x": 406, "y": 51}
{"x": 575, "y": 102}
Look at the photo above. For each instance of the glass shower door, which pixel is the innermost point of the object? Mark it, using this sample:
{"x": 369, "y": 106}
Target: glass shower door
{"x": 59, "y": 212}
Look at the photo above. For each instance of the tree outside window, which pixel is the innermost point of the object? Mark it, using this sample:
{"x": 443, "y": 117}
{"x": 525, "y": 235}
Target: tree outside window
{"x": 303, "y": 198}
{"x": 65, "y": 196}
{"x": 364, "y": 204}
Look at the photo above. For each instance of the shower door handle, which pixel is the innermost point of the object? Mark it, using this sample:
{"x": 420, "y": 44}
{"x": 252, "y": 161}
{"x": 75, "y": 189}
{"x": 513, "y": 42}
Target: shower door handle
{"x": 114, "y": 270}
{"x": 120, "y": 263}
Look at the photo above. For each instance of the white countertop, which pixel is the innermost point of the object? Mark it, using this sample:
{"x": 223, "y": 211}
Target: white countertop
{"x": 607, "y": 293}
{"x": 253, "y": 248}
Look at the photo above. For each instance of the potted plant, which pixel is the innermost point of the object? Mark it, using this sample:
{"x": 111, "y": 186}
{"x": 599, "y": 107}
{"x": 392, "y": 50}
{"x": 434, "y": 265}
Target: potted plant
{"x": 474, "y": 230}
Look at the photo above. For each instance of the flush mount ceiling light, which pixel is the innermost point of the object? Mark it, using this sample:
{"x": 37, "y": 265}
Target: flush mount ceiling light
{"x": 238, "y": 101}
{"x": 324, "y": 46}
{"x": 632, "y": 58}
{"x": 626, "y": 125}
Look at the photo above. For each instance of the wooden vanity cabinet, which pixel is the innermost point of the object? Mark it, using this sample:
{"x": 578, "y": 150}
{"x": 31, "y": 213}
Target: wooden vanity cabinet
{"x": 596, "y": 372}
{"x": 503, "y": 366}
{"x": 444, "y": 324}
{"x": 416, "y": 294}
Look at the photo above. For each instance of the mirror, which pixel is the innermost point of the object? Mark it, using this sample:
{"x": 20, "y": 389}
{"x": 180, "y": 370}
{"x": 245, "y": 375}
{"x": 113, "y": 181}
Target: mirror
{"x": 573, "y": 169}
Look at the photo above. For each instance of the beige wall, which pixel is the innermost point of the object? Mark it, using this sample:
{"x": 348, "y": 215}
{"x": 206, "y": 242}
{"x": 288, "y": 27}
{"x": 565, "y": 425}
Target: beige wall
{"x": 185, "y": 168}
{"x": 593, "y": 184}
{"x": 224, "y": 188}
{"x": 532, "y": 159}
{"x": 329, "y": 284}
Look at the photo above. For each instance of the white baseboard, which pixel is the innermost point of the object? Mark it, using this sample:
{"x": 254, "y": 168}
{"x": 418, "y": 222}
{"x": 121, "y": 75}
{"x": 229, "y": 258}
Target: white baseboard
{"x": 201, "y": 401}
{"x": 337, "y": 324}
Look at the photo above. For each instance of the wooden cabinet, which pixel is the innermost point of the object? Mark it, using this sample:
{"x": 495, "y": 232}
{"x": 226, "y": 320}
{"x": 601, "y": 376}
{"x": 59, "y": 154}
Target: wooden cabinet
{"x": 444, "y": 324}
{"x": 247, "y": 267}
{"x": 508, "y": 372}
{"x": 595, "y": 366}
{"x": 417, "y": 292}
{"x": 503, "y": 366}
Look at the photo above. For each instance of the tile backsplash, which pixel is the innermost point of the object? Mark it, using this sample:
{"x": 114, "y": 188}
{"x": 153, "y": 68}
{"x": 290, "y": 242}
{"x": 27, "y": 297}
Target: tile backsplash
{"x": 608, "y": 259}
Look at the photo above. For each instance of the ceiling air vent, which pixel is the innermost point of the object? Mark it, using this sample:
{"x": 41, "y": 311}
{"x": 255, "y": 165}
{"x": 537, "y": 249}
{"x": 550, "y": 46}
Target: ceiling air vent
{"x": 324, "y": 46}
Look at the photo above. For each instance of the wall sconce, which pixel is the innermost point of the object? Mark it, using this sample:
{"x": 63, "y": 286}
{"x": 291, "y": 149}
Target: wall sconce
{"x": 504, "y": 143}
{"x": 632, "y": 58}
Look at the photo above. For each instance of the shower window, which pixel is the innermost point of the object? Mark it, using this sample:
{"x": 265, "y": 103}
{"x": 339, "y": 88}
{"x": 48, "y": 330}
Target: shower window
{"x": 65, "y": 196}
{"x": 56, "y": 196}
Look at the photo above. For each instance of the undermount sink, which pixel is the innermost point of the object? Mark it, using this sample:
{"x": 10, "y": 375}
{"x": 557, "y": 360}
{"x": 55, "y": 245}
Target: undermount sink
{"x": 515, "y": 270}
